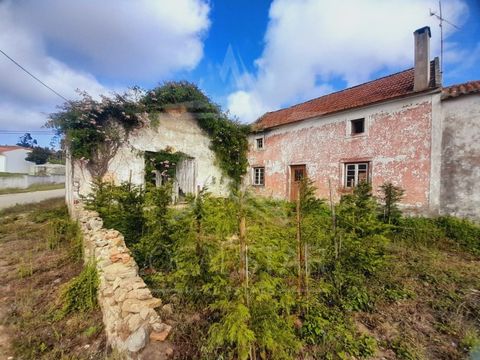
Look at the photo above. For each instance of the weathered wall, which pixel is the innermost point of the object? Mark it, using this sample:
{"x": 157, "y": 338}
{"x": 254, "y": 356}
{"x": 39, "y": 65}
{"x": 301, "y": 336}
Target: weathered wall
{"x": 397, "y": 143}
{"x": 24, "y": 181}
{"x": 15, "y": 161}
{"x": 132, "y": 325}
{"x": 460, "y": 172}
{"x": 47, "y": 169}
{"x": 3, "y": 163}
{"x": 178, "y": 131}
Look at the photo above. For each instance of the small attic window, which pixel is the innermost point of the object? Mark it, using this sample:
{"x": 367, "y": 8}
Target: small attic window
{"x": 358, "y": 126}
{"x": 259, "y": 143}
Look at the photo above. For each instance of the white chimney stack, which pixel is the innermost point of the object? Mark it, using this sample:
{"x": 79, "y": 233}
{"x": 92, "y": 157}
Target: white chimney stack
{"x": 422, "y": 59}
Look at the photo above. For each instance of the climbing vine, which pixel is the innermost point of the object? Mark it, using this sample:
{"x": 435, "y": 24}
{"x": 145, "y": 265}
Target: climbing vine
{"x": 164, "y": 161}
{"x": 95, "y": 129}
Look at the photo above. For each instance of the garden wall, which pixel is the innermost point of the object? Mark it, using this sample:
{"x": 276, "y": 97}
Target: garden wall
{"x": 132, "y": 325}
{"x": 25, "y": 181}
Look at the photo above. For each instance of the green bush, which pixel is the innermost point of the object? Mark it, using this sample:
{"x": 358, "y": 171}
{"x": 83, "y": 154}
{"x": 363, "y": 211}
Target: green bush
{"x": 80, "y": 293}
{"x": 94, "y": 130}
{"x": 464, "y": 232}
{"x": 419, "y": 231}
{"x": 120, "y": 207}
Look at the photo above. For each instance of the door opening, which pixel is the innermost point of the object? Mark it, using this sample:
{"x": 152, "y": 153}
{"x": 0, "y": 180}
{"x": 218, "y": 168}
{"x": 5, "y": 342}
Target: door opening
{"x": 297, "y": 173}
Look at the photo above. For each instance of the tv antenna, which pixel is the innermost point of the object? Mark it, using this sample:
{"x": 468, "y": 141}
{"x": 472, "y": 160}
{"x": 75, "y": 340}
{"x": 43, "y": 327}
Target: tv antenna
{"x": 441, "y": 20}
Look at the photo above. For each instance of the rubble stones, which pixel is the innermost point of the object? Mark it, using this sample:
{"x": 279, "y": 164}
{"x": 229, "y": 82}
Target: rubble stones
{"x": 128, "y": 306}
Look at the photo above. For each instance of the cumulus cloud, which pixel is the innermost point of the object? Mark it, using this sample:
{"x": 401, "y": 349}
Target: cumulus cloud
{"x": 92, "y": 46}
{"x": 311, "y": 43}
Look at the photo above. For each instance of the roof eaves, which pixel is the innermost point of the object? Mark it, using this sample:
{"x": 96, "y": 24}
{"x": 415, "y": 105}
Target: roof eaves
{"x": 416, "y": 93}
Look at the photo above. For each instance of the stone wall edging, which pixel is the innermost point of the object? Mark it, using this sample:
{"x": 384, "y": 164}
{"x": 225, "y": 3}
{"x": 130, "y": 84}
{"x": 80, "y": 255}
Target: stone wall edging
{"x": 131, "y": 323}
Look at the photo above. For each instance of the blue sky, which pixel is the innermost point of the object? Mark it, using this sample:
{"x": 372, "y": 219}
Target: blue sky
{"x": 248, "y": 56}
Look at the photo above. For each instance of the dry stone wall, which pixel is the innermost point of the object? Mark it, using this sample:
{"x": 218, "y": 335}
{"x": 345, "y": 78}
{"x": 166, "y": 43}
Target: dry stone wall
{"x": 133, "y": 326}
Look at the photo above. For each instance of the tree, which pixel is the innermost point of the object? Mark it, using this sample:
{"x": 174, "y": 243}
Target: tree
{"x": 391, "y": 196}
{"x": 39, "y": 155}
{"x": 26, "y": 140}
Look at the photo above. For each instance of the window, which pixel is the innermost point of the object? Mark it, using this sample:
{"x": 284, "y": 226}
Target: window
{"x": 355, "y": 174}
{"x": 358, "y": 126}
{"x": 259, "y": 176}
{"x": 259, "y": 143}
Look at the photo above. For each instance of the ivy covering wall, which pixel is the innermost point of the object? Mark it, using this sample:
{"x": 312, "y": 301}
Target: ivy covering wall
{"x": 95, "y": 129}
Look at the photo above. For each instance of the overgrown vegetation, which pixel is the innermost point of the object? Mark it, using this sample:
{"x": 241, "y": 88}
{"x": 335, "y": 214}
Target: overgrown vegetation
{"x": 41, "y": 259}
{"x": 165, "y": 162}
{"x": 262, "y": 279}
{"x": 95, "y": 130}
{"x": 80, "y": 293}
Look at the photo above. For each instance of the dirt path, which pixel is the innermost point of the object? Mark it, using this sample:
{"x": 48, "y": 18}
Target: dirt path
{"x": 8, "y": 200}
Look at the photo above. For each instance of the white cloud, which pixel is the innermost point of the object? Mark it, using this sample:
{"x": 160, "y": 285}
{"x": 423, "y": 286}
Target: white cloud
{"x": 91, "y": 45}
{"x": 309, "y": 43}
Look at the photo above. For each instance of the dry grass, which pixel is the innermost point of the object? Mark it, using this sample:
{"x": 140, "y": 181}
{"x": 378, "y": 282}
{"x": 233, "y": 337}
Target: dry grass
{"x": 35, "y": 187}
{"x": 32, "y": 276}
{"x": 437, "y": 309}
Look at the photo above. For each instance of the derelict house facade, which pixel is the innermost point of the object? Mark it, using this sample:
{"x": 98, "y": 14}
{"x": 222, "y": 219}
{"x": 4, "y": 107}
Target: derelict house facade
{"x": 403, "y": 128}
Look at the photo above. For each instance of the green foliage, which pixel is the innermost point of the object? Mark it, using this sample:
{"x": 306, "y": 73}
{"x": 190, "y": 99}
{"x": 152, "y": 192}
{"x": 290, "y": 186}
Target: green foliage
{"x": 95, "y": 129}
{"x": 243, "y": 286}
{"x": 431, "y": 231}
{"x": 153, "y": 248}
{"x": 163, "y": 161}
{"x": 39, "y": 155}
{"x": 390, "y": 197}
{"x": 80, "y": 293}
{"x": 26, "y": 140}
{"x": 87, "y": 122}
{"x": 333, "y": 335}
{"x": 121, "y": 208}
{"x": 229, "y": 138}
{"x": 464, "y": 232}
{"x": 59, "y": 230}
{"x": 418, "y": 231}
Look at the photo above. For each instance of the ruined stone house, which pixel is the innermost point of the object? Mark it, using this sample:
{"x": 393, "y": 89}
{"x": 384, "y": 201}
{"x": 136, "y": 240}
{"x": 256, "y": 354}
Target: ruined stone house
{"x": 175, "y": 131}
{"x": 403, "y": 128}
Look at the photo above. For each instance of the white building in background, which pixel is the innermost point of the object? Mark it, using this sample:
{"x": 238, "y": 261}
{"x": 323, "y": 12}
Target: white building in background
{"x": 12, "y": 159}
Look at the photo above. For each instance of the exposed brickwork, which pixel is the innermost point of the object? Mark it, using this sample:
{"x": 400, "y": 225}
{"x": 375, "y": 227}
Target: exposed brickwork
{"x": 397, "y": 143}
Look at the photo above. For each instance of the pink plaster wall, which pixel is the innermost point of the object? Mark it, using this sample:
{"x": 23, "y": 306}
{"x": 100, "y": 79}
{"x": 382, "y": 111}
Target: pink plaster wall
{"x": 397, "y": 145}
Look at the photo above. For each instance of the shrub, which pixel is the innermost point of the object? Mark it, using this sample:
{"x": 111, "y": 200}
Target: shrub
{"x": 121, "y": 207}
{"x": 390, "y": 197}
{"x": 419, "y": 231}
{"x": 80, "y": 293}
{"x": 464, "y": 232}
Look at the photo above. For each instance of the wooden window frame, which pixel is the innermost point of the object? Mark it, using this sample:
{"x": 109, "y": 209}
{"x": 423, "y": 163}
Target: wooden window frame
{"x": 262, "y": 138}
{"x": 261, "y": 176}
{"x": 356, "y": 168}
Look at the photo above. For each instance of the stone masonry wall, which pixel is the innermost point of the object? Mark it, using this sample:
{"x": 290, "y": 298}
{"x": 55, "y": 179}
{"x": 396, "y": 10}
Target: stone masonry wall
{"x": 132, "y": 325}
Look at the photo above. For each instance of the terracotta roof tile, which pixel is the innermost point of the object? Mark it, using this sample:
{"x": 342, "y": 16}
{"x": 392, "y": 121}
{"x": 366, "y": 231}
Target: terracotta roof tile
{"x": 6, "y": 148}
{"x": 467, "y": 88}
{"x": 388, "y": 87}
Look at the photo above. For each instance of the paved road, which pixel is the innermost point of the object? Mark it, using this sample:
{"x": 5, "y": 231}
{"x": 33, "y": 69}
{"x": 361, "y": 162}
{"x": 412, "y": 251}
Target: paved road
{"x": 8, "y": 200}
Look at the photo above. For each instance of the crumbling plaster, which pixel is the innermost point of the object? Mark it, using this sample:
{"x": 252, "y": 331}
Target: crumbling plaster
{"x": 397, "y": 143}
{"x": 460, "y": 168}
{"x": 178, "y": 131}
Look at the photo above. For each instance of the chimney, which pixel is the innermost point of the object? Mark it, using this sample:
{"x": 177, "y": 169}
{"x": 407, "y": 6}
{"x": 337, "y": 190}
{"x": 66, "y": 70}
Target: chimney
{"x": 421, "y": 77}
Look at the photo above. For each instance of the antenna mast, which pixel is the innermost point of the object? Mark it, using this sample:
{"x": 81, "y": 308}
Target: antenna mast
{"x": 441, "y": 19}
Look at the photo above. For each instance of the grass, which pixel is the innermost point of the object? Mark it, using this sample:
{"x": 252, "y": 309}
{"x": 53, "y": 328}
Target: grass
{"x": 8, "y": 174}
{"x": 35, "y": 187}
{"x": 34, "y": 274}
